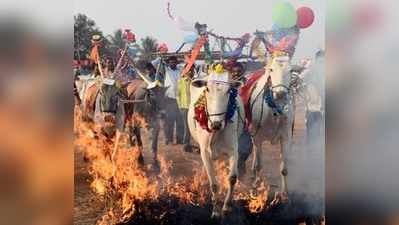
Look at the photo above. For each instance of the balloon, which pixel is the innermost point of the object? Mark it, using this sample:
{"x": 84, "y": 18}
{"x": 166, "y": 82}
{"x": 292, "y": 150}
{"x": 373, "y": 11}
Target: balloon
{"x": 305, "y": 17}
{"x": 284, "y": 15}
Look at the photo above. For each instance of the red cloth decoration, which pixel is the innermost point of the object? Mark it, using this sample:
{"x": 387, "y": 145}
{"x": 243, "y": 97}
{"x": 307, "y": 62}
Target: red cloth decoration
{"x": 305, "y": 17}
{"x": 201, "y": 117}
{"x": 129, "y": 36}
{"x": 246, "y": 91}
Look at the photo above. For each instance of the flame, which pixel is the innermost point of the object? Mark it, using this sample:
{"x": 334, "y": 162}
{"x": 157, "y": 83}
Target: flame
{"x": 124, "y": 185}
{"x": 139, "y": 120}
{"x": 258, "y": 202}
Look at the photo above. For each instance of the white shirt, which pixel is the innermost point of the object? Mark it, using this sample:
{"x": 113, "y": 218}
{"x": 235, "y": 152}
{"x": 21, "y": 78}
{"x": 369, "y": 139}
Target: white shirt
{"x": 171, "y": 78}
{"x": 314, "y": 89}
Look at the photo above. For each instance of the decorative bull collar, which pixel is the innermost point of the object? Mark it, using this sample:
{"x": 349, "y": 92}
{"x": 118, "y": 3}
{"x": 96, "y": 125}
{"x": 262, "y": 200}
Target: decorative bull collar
{"x": 201, "y": 112}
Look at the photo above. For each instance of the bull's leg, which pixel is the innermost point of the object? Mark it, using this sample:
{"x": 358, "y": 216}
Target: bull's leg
{"x": 285, "y": 145}
{"x": 256, "y": 163}
{"x": 227, "y": 206}
{"x": 137, "y": 134}
{"x": 154, "y": 143}
{"x": 206, "y": 159}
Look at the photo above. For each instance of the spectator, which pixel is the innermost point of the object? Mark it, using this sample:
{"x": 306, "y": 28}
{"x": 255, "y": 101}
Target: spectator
{"x": 86, "y": 67}
{"x": 173, "y": 119}
{"x": 109, "y": 67}
{"x": 183, "y": 102}
{"x": 314, "y": 95}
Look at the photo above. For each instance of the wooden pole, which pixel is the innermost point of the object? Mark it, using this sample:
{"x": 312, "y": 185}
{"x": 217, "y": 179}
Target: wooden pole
{"x": 120, "y": 59}
{"x": 99, "y": 66}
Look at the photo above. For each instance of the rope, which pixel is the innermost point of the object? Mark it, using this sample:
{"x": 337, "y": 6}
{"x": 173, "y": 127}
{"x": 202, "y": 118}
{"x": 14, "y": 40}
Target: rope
{"x": 222, "y": 37}
{"x": 168, "y": 10}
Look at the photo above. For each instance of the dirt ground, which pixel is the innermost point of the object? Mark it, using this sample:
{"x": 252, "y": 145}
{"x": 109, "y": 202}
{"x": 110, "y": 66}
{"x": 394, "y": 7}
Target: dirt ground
{"x": 88, "y": 209}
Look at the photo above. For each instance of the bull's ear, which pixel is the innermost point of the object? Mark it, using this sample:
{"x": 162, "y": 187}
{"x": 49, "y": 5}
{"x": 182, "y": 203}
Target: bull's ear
{"x": 199, "y": 83}
{"x": 236, "y": 84}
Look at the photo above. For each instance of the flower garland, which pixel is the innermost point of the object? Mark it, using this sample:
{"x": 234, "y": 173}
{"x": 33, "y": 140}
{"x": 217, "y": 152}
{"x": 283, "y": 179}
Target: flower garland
{"x": 200, "y": 111}
{"x": 200, "y": 114}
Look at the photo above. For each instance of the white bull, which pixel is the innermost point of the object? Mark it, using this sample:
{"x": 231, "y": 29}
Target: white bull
{"x": 272, "y": 112}
{"x": 219, "y": 134}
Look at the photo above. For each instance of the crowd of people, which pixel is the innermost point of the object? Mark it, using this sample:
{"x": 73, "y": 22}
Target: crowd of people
{"x": 168, "y": 71}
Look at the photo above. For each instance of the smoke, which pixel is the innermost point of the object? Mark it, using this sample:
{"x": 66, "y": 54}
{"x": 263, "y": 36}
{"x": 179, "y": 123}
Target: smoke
{"x": 362, "y": 124}
{"x": 306, "y": 164}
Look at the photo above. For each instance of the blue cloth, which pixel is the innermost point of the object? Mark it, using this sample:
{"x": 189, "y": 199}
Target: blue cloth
{"x": 271, "y": 103}
{"x": 232, "y": 104}
{"x": 131, "y": 73}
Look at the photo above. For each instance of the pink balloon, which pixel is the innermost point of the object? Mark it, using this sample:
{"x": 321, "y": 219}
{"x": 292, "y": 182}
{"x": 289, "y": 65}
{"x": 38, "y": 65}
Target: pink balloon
{"x": 305, "y": 17}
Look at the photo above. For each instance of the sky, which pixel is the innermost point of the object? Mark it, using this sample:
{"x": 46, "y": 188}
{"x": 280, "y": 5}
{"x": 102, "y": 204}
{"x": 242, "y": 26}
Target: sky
{"x": 226, "y": 17}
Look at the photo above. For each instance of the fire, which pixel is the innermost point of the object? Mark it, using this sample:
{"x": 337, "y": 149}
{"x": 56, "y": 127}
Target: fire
{"x": 139, "y": 120}
{"x": 258, "y": 202}
{"x": 124, "y": 185}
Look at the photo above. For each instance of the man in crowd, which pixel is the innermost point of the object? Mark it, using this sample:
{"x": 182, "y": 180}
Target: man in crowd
{"x": 314, "y": 95}
{"x": 95, "y": 71}
{"x": 236, "y": 70}
{"x": 109, "y": 67}
{"x": 86, "y": 67}
{"x": 183, "y": 102}
{"x": 173, "y": 119}
{"x": 147, "y": 69}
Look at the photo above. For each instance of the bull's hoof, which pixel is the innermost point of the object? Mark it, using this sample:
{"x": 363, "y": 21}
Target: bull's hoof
{"x": 215, "y": 215}
{"x": 280, "y": 198}
{"x": 227, "y": 209}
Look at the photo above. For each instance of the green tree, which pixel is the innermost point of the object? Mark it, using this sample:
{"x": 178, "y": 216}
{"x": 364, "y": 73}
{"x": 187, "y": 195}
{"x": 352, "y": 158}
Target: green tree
{"x": 84, "y": 29}
{"x": 148, "y": 46}
{"x": 116, "y": 40}
{"x": 114, "y": 43}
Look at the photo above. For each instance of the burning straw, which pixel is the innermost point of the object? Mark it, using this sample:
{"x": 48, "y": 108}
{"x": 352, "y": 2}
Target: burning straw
{"x": 129, "y": 189}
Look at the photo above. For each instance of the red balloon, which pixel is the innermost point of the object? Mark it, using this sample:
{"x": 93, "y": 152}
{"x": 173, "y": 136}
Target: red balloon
{"x": 305, "y": 17}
